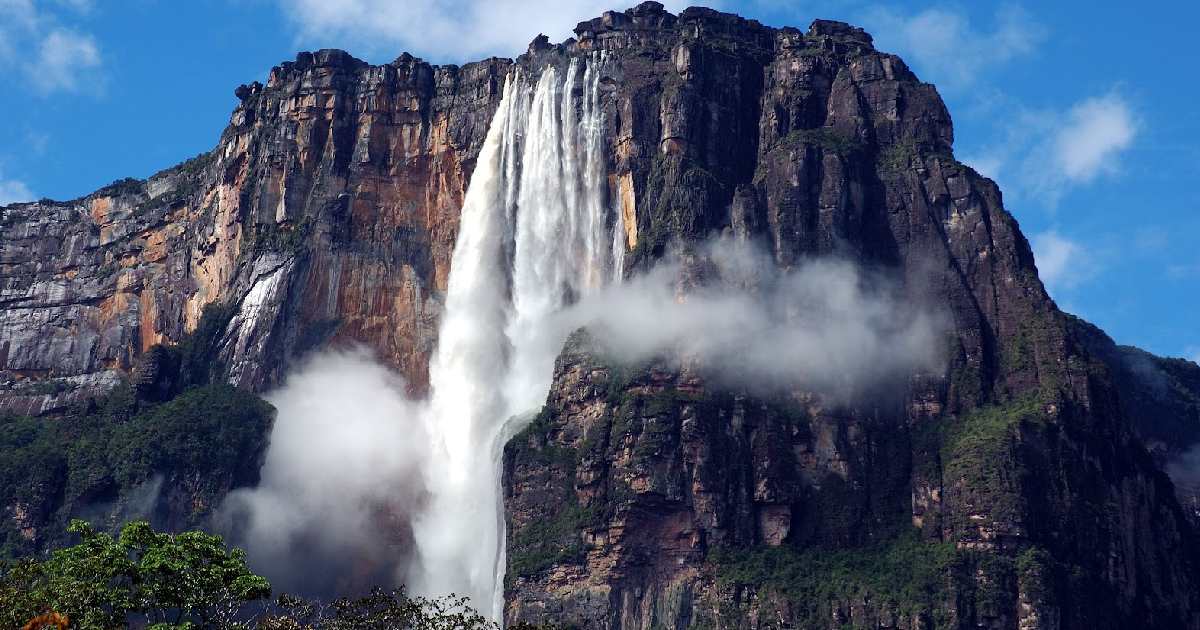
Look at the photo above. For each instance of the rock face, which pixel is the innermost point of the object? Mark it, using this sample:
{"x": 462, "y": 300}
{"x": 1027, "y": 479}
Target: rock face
{"x": 327, "y": 212}
{"x": 1013, "y": 489}
{"x": 1161, "y": 397}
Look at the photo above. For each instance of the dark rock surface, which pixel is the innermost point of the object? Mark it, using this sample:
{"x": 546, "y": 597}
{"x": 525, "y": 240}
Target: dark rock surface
{"x": 1020, "y": 467}
{"x": 1161, "y": 398}
{"x": 1014, "y": 489}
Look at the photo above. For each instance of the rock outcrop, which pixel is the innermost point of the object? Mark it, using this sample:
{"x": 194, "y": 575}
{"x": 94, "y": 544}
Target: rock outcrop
{"x": 1013, "y": 489}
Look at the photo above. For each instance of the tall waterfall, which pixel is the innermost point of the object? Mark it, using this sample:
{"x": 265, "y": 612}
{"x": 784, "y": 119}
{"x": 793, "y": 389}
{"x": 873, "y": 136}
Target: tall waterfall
{"x": 533, "y": 236}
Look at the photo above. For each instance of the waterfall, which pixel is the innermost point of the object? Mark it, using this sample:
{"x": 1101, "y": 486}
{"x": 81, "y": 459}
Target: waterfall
{"x": 532, "y": 239}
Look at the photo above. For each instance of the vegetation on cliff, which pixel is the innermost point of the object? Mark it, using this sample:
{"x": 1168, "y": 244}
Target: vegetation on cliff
{"x": 167, "y": 447}
{"x": 908, "y": 575}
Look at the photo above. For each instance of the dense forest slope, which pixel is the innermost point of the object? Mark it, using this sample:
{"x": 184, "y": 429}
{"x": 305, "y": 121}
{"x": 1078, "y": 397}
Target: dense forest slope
{"x": 1021, "y": 486}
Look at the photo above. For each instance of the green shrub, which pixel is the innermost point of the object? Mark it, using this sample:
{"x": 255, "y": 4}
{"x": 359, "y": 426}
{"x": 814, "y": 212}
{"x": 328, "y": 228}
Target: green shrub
{"x": 897, "y": 156}
{"x": 122, "y": 187}
{"x": 825, "y": 138}
{"x": 907, "y": 573}
{"x": 544, "y": 543}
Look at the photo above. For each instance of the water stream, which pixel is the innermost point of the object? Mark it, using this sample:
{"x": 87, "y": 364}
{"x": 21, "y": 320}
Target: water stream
{"x": 535, "y": 234}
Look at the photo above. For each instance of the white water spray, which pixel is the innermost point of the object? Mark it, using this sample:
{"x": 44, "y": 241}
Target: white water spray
{"x": 531, "y": 241}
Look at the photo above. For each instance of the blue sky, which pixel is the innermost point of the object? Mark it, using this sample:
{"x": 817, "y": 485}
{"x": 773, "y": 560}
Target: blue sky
{"x": 1086, "y": 115}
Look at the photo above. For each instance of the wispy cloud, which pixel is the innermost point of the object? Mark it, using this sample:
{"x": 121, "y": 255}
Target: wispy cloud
{"x": 1096, "y": 132}
{"x": 947, "y": 49}
{"x": 1043, "y": 154}
{"x": 442, "y": 31}
{"x": 1062, "y": 263}
{"x": 36, "y": 48}
{"x": 1151, "y": 238}
{"x": 63, "y": 60}
{"x": 1079, "y": 146}
{"x": 14, "y": 191}
{"x": 82, "y": 6}
{"x": 36, "y": 141}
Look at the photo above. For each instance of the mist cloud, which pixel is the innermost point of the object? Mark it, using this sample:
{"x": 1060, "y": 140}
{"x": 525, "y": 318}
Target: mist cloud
{"x": 14, "y": 191}
{"x": 824, "y": 325}
{"x": 341, "y": 478}
{"x": 352, "y": 464}
{"x": 1184, "y": 471}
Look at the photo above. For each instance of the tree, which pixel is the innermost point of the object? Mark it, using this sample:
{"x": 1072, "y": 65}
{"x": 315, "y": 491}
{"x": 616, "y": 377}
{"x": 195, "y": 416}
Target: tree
{"x": 381, "y": 609}
{"x": 170, "y": 579}
{"x": 191, "y": 580}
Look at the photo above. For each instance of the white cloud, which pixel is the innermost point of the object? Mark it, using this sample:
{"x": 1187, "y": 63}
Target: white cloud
{"x": 1077, "y": 146}
{"x": 64, "y": 58}
{"x": 442, "y": 30}
{"x": 1041, "y": 153}
{"x": 947, "y": 48}
{"x": 18, "y": 14}
{"x": 37, "y": 142}
{"x": 1062, "y": 263}
{"x": 13, "y": 191}
{"x": 1151, "y": 238}
{"x": 1096, "y": 131}
{"x": 1193, "y": 354}
{"x": 1044, "y": 153}
{"x": 49, "y": 56}
{"x": 17, "y": 20}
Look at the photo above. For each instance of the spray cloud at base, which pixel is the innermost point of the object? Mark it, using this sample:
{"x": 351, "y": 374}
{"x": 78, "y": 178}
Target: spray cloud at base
{"x": 360, "y": 481}
{"x": 340, "y": 480}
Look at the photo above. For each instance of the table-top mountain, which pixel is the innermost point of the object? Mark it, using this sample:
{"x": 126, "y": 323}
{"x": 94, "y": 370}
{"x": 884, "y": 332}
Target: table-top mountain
{"x": 1020, "y": 485}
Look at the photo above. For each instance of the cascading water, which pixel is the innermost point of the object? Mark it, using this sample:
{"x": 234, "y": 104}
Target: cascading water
{"x": 532, "y": 238}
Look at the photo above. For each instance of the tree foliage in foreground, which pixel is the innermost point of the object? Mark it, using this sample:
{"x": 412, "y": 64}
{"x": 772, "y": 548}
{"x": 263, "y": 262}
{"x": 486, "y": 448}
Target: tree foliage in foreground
{"x": 382, "y": 609}
{"x": 170, "y": 580}
{"x": 190, "y": 581}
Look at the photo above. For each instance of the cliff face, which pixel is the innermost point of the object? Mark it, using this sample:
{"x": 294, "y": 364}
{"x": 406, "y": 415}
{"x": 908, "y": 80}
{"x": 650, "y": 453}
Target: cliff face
{"x": 1161, "y": 397}
{"x": 1009, "y": 491}
{"x": 327, "y": 212}
{"x": 1012, "y": 489}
